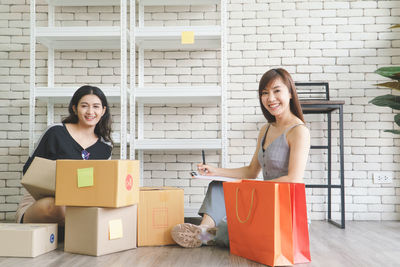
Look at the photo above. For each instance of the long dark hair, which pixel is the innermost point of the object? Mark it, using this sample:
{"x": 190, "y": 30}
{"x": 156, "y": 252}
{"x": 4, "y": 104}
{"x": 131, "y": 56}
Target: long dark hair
{"x": 103, "y": 127}
{"x": 282, "y": 74}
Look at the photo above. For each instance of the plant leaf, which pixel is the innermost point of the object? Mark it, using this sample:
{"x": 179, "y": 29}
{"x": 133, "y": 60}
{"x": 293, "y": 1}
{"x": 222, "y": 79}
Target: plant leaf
{"x": 395, "y": 26}
{"x": 389, "y": 72}
{"x": 397, "y": 119}
{"x": 387, "y": 101}
{"x": 392, "y": 85}
{"x": 392, "y": 131}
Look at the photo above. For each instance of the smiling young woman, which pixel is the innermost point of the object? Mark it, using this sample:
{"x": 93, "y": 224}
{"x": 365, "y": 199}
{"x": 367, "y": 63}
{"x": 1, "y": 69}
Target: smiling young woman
{"x": 84, "y": 134}
{"x": 281, "y": 154}
{"x": 89, "y": 111}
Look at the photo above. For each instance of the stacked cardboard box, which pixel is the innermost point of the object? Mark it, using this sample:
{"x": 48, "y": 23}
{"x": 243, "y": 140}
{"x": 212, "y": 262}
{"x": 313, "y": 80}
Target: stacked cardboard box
{"x": 101, "y": 198}
{"x": 105, "y": 211}
{"x": 98, "y": 231}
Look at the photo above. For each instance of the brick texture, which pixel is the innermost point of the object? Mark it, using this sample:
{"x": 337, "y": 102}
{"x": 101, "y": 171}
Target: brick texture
{"x": 341, "y": 42}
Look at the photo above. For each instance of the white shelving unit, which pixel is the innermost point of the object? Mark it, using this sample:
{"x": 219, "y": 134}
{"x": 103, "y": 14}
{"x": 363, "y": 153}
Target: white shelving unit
{"x": 191, "y": 95}
{"x": 77, "y": 38}
{"x": 178, "y": 144}
{"x": 141, "y": 38}
{"x": 168, "y": 38}
{"x": 71, "y": 38}
{"x": 59, "y": 95}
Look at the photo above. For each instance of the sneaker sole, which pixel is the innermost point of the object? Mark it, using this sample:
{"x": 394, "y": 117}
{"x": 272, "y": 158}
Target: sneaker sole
{"x": 187, "y": 235}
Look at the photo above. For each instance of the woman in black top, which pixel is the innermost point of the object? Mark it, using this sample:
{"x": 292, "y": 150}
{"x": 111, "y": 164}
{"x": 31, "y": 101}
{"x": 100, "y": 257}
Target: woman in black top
{"x": 84, "y": 134}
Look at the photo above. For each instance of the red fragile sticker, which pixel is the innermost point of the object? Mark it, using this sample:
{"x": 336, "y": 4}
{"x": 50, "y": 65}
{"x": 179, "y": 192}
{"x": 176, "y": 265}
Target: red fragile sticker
{"x": 129, "y": 182}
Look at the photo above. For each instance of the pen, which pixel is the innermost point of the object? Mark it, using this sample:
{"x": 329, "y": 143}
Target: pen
{"x": 204, "y": 158}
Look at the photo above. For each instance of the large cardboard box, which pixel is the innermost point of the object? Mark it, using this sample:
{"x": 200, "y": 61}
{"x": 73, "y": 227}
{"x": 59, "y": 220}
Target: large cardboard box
{"x": 159, "y": 210}
{"x": 27, "y": 240}
{"x": 97, "y": 183}
{"x": 98, "y": 231}
{"x": 40, "y": 178}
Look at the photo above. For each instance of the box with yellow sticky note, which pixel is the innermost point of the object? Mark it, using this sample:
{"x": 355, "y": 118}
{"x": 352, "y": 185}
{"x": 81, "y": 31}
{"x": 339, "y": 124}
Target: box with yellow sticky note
{"x": 97, "y": 183}
{"x": 159, "y": 209}
{"x": 98, "y": 231}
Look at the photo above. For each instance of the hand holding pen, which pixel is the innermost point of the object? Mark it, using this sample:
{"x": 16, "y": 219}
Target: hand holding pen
{"x": 205, "y": 169}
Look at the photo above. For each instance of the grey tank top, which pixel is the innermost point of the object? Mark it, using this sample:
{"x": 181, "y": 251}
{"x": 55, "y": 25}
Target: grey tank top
{"x": 274, "y": 160}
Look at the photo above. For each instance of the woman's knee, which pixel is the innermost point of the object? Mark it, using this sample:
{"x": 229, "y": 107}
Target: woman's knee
{"x": 215, "y": 184}
{"x": 53, "y": 211}
{"x": 45, "y": 210}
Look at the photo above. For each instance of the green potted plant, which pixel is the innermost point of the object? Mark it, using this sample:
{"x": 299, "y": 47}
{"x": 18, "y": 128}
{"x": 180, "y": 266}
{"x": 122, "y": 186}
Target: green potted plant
{"x": 390, "y": 100}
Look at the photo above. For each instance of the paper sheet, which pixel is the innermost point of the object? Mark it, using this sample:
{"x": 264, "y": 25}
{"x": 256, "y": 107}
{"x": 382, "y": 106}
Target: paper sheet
{"x": 215, "y": 178}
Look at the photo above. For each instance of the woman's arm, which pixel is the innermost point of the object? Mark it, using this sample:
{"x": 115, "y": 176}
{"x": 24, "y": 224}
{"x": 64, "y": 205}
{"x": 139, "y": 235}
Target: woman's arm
{"x": 42, "y": 210}
{"x": 247, "y": 172}
{"x": 45, "y": 148}
{"x": 299, "y": 144}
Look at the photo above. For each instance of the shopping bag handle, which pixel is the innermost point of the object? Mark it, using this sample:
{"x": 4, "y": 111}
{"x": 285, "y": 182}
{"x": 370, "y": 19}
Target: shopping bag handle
{"x": 251, "y": 206}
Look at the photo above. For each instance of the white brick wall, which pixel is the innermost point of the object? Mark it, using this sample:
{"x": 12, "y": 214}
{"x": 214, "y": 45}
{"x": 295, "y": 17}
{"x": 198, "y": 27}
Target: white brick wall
{"x": 341, "y": 42}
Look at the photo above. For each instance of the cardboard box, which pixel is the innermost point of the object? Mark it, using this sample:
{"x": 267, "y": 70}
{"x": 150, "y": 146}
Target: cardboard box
{"x": 97, "y": 183}
{"x": 27, "y": 240}
{"x": 159, "y": 210}
{"x": 40, "y": 178}
{"x": 98, "y": 231}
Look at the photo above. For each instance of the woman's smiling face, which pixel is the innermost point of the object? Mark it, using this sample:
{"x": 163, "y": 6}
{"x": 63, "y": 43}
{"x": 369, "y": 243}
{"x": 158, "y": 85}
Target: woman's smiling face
{"x": 89, "y": 110}
{"x": 276, "y": 97}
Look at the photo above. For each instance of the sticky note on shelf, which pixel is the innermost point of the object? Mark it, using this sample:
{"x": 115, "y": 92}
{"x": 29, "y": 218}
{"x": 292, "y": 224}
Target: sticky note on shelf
{"x": 85, "y": 177}
{"x": 115, "y": 229}
{"x": 187, "y": 37}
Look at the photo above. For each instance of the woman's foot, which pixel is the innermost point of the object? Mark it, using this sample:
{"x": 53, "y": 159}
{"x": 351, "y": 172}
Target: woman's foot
{"x": 188, "y": 235}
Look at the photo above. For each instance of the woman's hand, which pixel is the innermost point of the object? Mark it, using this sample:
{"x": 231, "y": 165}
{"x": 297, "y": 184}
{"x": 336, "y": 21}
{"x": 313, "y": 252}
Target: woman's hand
{"x": 205, "y": 169}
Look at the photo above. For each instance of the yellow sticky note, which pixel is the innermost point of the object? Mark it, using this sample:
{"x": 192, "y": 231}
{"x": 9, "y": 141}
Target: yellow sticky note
{"x": 187, "y": 37}
{"x": 85, "y": 177}
{"x": 115, "y": 229}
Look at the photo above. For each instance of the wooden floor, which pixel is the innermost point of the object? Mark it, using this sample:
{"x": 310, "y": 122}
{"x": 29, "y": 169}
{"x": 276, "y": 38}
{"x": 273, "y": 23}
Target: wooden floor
{"x": 360, "y": 244}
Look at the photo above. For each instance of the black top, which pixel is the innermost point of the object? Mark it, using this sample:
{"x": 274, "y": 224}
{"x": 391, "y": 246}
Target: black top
{"x": 56, "y": 143}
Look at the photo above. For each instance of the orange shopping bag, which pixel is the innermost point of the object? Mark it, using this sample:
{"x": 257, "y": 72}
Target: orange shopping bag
{"x": 301, "y": 242}
{"x": 259, "y": 221}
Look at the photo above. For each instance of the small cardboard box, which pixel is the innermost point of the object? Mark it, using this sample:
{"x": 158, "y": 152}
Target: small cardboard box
{"x": 27, "y": 240}
{"x": 159, "y": 210}
{"x": 40, "y": 178}
{"x": 98, "y": 231}
{"x": 97, "y": 183}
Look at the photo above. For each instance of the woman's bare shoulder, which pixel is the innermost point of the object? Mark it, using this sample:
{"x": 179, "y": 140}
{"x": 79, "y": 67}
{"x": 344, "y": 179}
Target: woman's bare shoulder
{"x": 299, "y": 132}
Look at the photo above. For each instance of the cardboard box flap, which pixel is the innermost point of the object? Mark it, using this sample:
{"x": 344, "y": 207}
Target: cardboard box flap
{"x": 40, "y": 178}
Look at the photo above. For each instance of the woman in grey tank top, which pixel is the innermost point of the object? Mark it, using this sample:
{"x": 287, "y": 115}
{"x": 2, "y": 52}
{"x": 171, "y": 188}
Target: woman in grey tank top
{"x": 281, "y": 153}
